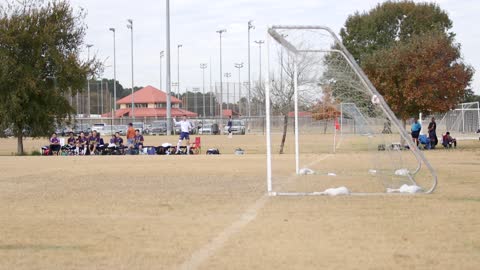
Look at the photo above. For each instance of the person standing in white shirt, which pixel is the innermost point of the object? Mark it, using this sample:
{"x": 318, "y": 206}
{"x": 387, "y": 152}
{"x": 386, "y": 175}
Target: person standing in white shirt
{"x": 185, "y": 128}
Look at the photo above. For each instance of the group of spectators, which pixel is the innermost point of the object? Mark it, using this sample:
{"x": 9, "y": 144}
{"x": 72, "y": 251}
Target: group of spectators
{"x": 91, "y": 143}
{"x": 447, "y": 140}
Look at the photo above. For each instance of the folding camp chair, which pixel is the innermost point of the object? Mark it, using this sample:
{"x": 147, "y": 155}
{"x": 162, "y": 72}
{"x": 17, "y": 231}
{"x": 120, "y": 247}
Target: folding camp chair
{"x": 196, "y": 147}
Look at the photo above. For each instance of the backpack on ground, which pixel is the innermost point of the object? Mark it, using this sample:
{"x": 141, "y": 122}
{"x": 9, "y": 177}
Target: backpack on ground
{"x": 213, "y": 151}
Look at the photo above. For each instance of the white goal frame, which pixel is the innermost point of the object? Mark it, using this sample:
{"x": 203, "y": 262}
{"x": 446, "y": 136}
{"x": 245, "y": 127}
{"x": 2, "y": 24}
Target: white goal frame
{"x": 462, "y": 108}
{"x": 272, "y": 33}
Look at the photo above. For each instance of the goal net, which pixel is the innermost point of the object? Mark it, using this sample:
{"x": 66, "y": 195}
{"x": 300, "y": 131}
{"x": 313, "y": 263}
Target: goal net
{"x": 354, "y": 143}
{"x": 463, "y": 122}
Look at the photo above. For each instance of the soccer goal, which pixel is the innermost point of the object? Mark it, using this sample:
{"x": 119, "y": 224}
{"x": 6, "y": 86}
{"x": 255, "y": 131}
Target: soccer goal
{"x": 463, "y": 122}
{"x": 309, "y": 70}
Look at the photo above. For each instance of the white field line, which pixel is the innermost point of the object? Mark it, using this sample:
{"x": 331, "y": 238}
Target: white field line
{"x": 202, "y": 254}
{"x": 339, "y": 143}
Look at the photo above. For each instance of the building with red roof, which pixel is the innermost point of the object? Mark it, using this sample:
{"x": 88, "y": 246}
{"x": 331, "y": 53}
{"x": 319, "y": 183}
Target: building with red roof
{"x": 229, "y": 112}
{"x": 149, "y": 102}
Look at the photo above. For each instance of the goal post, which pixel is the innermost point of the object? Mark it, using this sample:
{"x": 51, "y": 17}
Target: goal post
{"x": 463, "y": 122}
{"x": 308, "y": 68}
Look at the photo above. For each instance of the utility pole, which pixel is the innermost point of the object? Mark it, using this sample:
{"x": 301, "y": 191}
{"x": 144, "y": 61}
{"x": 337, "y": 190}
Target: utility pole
{"x": 220, "y": 32}
{"x": 178, "y": 68}
{"x": 239, "y": 66}
{"x": 101, "y": 96}
{"x": 168, "y": 83}
{"x": 250, "y": 26}
{"x": 228, "y": 75}
{"x": 114, "y": 74}
{"x": 130, "y": 26}
{"x": 161, "y": 56}
{"x": 203, "y": 66}
{"x": 195, "y": 96}
{"x": 260, "y": 42}
{"x": 211, "y": 91}
{"x": 88, "y": 79}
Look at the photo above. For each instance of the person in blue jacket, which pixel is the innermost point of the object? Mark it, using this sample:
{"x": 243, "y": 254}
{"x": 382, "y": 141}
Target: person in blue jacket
{"x": 416, "y": 127}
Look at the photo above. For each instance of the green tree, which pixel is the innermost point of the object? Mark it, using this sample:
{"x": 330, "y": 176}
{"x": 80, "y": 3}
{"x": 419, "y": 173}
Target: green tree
{"x": 409, "y": 53}
{"x": 470, "y": 96}
{"x": 121, "y": 92}
{"x": 422, "y": 75}
{"x": 390, "y": 23}
{"x": 39, "y": 51}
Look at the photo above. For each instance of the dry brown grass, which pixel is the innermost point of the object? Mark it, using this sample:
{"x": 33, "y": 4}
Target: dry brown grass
{"x": 154, "y": 212}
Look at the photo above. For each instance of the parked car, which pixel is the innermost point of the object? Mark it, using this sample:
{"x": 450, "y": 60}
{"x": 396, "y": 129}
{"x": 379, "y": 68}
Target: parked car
{"x": 121, "y": 129}
{"x": 159, "y": 127}
{"x": 107, "y": 130}
{"x": 147, "y": 130}
{"x": 7, "y": 133}
{"x": 98, "y": 127}
{"x": 139, "y": 125}
{"x": 61, "y": 131}
{"x": 238, "y": 127}
{"x": 85, "y": 128}
{"x": 207, "y": 128}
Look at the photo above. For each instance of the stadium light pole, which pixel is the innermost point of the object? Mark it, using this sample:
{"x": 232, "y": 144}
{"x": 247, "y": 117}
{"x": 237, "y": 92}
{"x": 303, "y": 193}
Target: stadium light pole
{"x": 114, "y": 74}
{"x": 211, "y": 92}
{"x": 220, "y": 32}
{"x": 88, "y": 79}
{"x": 175, "y": 84}
{"x": 130, "y": 26}
{"x": 195, "y": 91}
{"x": 239, "y": 66}
{"x": 228, "y": 75}
{"x": 260, "y": 42}
{"x": 101, "y": 96}
{"x": 168, "y": 75}
{"x": 203, "y": 66}
{"x": 78, "y": 108}
{"x": 161, "y": 56}
{"x": 178, "y": 68}
{"x": 250, "y": 26}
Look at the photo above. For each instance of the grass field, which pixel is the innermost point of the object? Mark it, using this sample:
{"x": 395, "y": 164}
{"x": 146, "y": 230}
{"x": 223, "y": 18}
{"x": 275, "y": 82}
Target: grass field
{"x": 211, "y": 212}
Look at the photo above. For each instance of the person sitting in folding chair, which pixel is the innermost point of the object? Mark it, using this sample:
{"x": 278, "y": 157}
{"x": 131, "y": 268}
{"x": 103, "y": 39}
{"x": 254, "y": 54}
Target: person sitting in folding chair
{"x": 54, "y": 144}
{"x": 139, "y": 141}
{"x": 93, "y": 142}
{"x": 72, "y": 144}
{"x": 81, "y": 144}
{"x": 119, "y": 144}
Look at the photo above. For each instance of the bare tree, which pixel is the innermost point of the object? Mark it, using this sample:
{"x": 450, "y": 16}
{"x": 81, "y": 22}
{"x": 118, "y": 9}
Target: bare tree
{"x": 282, "y": 86}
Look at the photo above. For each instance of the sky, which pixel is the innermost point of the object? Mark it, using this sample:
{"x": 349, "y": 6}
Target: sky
{"x": 194, "y": 23}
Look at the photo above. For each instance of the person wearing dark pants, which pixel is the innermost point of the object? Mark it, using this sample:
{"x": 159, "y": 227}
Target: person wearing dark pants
{"x": 448, "y": 141}
{"x": 229, "y": 125}
{"x": 416, "y": 127}
{"x": 432, "y": 133}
